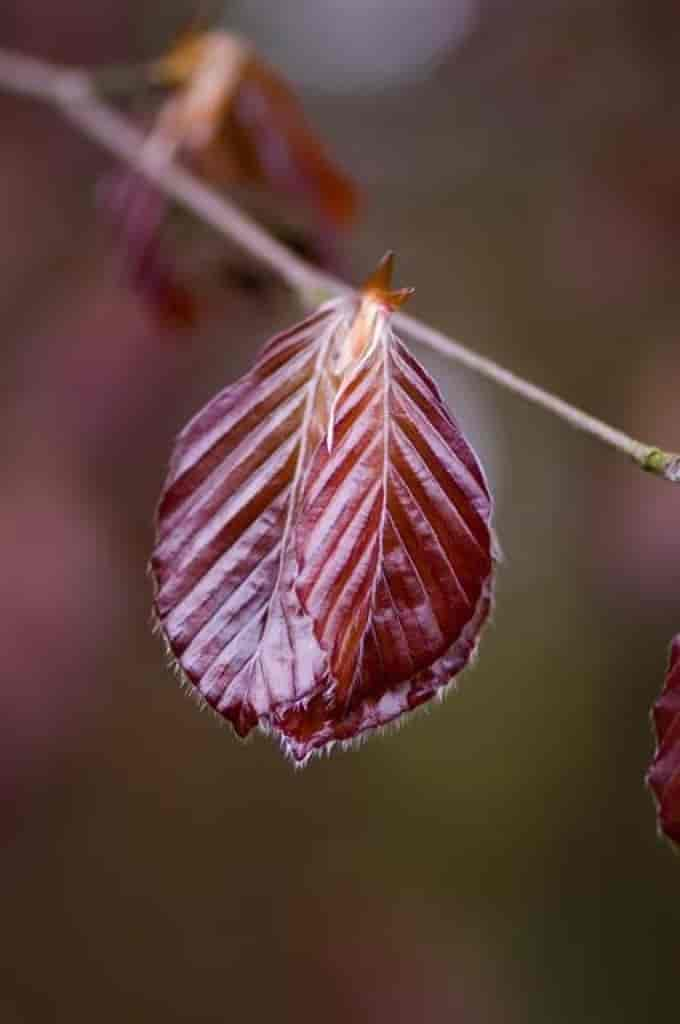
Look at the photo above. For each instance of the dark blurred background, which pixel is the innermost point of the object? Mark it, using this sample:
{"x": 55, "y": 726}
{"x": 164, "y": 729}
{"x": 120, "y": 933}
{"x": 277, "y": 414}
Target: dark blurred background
{"x": 496, "y": 858}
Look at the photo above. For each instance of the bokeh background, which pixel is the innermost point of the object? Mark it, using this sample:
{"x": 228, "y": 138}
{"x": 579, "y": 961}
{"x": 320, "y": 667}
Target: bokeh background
{"x": 496, "y": 858}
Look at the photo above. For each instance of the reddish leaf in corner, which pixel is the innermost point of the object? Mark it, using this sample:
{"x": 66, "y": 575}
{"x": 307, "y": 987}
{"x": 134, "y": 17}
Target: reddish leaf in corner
{"x": 393, "y": 540}
{"x": 223, "y": 561}
{"x": 663, "y": 777}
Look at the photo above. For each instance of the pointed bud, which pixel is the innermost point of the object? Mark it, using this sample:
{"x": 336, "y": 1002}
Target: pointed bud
{"x": 378, "y": 301}
{"x": 378, "y": 286}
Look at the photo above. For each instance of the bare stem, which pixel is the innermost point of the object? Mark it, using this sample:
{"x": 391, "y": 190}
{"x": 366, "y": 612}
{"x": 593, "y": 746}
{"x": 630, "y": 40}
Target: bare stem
{"x": 74, "y": 94}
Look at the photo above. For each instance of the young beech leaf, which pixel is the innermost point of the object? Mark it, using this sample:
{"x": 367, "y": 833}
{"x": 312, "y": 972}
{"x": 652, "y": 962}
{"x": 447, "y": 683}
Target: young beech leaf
{"x": 663, "y": 777}
{"x": 224, "y": 562}
{"x": 392, "y": 538}
{"x": 324, "y": 553}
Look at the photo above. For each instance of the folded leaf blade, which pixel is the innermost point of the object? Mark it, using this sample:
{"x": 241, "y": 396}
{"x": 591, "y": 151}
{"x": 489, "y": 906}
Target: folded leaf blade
{"x": 394, "y": 546}
{"x": 223, "y": 562}
{"x": 324, "y": 556}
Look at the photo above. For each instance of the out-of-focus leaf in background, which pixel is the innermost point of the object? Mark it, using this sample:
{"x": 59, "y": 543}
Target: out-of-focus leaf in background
{"x": 238, "y": 124}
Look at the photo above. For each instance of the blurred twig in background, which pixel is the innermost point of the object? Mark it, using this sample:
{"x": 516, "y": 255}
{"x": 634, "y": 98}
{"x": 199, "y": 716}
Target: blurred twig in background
{"x": 74, "y": 93}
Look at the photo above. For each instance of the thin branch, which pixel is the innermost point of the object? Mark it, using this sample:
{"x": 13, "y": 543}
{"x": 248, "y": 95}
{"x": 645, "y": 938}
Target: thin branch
{"x": 74, "y": 94}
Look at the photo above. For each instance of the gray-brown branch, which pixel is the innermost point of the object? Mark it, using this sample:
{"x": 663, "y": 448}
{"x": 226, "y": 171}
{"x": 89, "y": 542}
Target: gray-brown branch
{"x": 75, "y": 95}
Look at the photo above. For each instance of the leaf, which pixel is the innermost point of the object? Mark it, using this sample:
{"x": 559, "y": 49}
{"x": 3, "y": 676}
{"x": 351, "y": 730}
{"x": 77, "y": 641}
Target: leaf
{"x": 277, "y": 146}
{"x": 663, "y": 777}
{"x": 393, "y": 541}
{"x": 324, "y": 553}
{"x": 237, "y": 123}
{"x": 223, "y": 562}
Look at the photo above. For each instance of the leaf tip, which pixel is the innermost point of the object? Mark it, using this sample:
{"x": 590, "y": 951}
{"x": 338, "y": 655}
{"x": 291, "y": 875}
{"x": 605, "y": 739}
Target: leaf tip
{"x": 378, "y": 285}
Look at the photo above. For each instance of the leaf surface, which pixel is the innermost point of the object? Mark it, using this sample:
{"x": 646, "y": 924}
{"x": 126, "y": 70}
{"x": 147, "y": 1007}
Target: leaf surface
{"x": 663, "y": 777}
{"x": 323, "y": 720}
{"x": 324, "y": 556}
{"x": 394, "y": 548}
{"x": 224, "y": 564}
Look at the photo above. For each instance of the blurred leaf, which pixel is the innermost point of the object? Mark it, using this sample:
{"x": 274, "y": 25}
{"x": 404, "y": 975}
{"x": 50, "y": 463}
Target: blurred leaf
{"x": 241, "y": 122}
{"x": 238, "y": 124}
{"x": 139, "y": 210}
{"x": 278, "y": 148}
{"x": 663, "y": 777}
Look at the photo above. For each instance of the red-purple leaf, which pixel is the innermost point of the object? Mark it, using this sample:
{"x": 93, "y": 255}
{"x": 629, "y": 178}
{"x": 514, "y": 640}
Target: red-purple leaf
{"x": 393, "y": 542}
{"x": 663, "y": 777}
{"x": 223, "y": 562}
{"x": 324, "y": 555}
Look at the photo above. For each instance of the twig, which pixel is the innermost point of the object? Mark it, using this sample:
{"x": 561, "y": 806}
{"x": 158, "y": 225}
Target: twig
{"x": 74, "y": 94}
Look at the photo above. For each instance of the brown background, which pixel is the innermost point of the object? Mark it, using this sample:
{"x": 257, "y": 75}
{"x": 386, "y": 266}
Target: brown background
{"x": 496, "y": 858}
